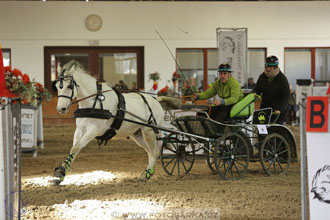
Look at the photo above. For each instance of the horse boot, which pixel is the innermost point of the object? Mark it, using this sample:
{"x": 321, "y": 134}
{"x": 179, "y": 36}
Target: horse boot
{"x": 149, "y": 173}
{"x": 60, "y": 171}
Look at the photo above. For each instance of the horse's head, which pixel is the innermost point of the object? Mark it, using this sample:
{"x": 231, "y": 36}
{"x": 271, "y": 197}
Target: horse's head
{"x": 66, "y": 86}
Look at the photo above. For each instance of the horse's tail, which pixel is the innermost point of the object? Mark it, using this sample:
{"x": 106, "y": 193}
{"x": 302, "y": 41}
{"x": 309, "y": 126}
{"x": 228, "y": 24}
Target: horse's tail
{"x": 169, "y": 102}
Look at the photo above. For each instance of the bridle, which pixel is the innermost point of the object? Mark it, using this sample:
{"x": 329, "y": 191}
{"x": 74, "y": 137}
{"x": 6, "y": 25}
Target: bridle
{"x": 71, "y": 86}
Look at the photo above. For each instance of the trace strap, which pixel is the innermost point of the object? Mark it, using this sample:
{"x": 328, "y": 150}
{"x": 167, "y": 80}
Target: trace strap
{"x": 151, "y": 119}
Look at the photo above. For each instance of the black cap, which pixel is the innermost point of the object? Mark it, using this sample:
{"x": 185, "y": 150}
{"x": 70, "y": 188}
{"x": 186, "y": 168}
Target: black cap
{"x": 272, "y": 61}
{"x": 225, "y": 67}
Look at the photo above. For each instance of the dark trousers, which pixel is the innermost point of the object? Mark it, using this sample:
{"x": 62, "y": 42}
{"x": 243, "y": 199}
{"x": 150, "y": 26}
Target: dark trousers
{"x": 220, "y": 113}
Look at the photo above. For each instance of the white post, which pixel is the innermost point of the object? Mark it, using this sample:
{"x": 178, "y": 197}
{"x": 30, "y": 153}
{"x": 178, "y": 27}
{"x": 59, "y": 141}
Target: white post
{"x": 2, "y": 167}
{"x": 10, "y": 166}
{"x": 303, "y": 167}
{"x": 40, "y": 132}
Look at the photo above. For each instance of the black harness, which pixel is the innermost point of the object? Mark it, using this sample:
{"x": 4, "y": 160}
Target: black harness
{"x": 104, "y": 114}
{"x": 101, "y": 113}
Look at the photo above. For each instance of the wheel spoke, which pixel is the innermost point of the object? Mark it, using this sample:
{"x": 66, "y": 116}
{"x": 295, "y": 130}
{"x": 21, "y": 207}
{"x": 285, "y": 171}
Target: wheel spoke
{"x": 279, "y": 164}
{"x": 239, "y": 173}
{"x": 170, "y": 149}
{"x": 178, "y": 167}
{"x": 245, "y": 166}
{"x": 169, "y": 162}
{"x": 184, "y": 166}
{"x": 284, "y": 161}
{"x": 282, "y": 152}
{"x": 271, "y": 163}
{"x": 241, "y": 156}
{"x": 227, "y": 169}
{"x": 188, "y": 160}
{"x": 168, "y": 156}
{"x": 173, "y": 167}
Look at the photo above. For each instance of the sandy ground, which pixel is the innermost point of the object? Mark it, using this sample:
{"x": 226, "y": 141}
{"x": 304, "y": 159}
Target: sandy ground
{"x": 256, "y": 196}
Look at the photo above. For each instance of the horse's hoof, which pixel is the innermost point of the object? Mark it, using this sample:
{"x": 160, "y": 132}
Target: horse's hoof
{"x": 59, "y": 172}
{"x": 57, "y": 182}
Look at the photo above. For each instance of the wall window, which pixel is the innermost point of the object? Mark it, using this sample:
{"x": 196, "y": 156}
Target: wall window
{"x": 191, "y": 62}
{"x": 200, "y": 65}
{"x": 6, "y": 54}
{"x": 109, "y": 64}
{"x": 306, "y": 63}
{"x": 256, "y": 62}
{"x": 322, "y": 64}
{"x": 298, "y": 65}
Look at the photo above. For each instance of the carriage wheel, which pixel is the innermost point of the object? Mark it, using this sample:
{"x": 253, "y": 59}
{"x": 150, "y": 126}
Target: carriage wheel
{"x": 231, "y": 156}
{"x": 177, "y": 155}
{"x": 210, "y": 159}
{"x": 275, "y": 154}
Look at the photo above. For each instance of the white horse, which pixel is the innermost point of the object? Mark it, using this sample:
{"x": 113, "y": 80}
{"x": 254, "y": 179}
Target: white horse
{"x": 73, "y": 82}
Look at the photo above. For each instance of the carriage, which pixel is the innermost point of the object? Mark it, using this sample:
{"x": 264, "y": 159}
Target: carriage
{"x": 227, "y": 147}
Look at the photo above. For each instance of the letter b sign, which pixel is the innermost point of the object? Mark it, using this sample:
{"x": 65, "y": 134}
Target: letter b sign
{"x": 317, "y": 114}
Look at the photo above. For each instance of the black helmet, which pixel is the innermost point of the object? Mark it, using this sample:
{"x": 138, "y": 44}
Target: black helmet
{"x": 225, "y": 67}
{"x": 272, "y": 61}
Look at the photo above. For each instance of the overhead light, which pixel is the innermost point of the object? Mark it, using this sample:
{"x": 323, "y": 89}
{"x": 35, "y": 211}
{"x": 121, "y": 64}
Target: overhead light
{"x": 86, "y": 0}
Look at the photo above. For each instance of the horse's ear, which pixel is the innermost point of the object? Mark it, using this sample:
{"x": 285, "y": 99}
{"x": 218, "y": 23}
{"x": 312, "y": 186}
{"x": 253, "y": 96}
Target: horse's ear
{"x": 59, "y": 69}
{"x": 71, "y": 70}
{"x": 54, "y": 86}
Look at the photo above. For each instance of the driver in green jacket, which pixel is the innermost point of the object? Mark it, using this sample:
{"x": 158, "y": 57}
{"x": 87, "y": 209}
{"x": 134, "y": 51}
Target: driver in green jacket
{"x": 229, "y": 91}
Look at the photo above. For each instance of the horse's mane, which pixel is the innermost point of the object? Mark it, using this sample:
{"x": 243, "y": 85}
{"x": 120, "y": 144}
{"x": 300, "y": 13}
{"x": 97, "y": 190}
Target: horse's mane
{"x": 79, "y": 69}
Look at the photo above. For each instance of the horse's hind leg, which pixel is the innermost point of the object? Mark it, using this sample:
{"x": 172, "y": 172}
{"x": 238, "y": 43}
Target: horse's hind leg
{"x": 149, "y": 137}
{"x": 138, "y": 138}
{"x": 79, "y": 142}
{"x": 147, "y": 140}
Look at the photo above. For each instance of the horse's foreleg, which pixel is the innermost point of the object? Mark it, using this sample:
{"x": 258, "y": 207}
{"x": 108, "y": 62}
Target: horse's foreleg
{"x": 79, "y": 142}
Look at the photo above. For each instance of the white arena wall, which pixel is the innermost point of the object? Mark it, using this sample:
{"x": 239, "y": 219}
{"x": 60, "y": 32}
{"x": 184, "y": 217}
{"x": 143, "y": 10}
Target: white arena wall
{"x": 26, "y": 27}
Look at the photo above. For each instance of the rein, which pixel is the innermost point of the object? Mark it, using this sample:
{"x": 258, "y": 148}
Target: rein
{"x": 87, "y": 97}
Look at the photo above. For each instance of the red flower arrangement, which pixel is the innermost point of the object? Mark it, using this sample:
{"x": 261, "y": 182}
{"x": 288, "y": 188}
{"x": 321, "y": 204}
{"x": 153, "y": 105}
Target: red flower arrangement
{"x": 26, "y": 90}
{"x": 175, "y": 76}
{"x": 154, "y": 76}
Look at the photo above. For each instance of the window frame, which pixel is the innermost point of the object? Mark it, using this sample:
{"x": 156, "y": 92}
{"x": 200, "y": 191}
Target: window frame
{"x": 205, "y": 59}
{"x": 313, "y": 62}
{"x": 94, "y": 52}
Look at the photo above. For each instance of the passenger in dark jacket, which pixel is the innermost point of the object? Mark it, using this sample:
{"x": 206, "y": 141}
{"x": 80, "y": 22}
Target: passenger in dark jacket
{"x": 275, "y": 90}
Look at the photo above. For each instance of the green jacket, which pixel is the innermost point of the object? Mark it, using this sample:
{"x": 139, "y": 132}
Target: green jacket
{"x": 230, "y": 91}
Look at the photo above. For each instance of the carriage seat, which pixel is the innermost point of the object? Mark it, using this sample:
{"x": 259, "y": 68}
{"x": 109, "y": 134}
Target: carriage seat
{"x": 244, "y": 108}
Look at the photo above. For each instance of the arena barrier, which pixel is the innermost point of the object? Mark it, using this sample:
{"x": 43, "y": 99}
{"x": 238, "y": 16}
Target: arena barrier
{"x": 10, "y": 160}
{"x": 318, "y": 151}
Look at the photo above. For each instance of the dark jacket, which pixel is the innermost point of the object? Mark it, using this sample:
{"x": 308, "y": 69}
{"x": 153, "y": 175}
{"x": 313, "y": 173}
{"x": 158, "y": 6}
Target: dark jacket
{"x": 275, "y": 93}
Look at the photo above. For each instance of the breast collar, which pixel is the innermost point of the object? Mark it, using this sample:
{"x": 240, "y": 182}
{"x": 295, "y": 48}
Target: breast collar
{"x": 102, "y": 113}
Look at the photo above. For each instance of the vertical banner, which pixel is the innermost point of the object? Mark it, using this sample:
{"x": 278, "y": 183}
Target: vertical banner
{"x": 232, "y": 49}
{"x": 29, "y": 134}
{"x": 318, "y": 151}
